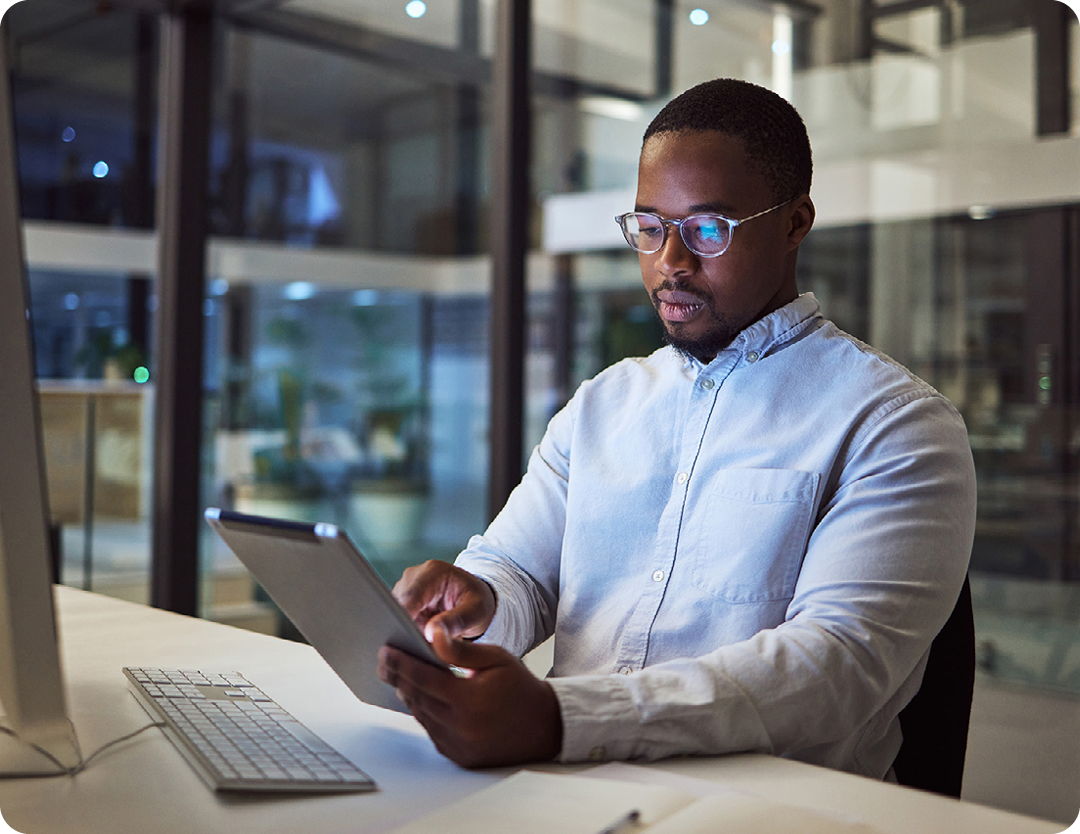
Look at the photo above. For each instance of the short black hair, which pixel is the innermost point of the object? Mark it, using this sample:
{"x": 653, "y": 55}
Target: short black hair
{"x": 772, "y": 132}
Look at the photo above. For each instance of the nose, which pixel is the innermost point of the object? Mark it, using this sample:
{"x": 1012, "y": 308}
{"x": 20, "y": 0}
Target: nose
{"x": 674, "y": 259}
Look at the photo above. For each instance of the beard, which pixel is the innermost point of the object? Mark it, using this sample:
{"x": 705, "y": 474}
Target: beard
{"x": 703, "y": 345}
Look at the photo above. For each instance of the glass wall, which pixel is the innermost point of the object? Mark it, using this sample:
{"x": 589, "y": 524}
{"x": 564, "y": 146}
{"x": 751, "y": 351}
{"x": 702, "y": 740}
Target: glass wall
{"x": 83, "y": 95}
{"x": 980, "y": 308}
{"x": 349, "y": 301}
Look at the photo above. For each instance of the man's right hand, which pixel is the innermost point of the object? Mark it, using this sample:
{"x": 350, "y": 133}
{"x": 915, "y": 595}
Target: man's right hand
{"x": 438, "y": 592}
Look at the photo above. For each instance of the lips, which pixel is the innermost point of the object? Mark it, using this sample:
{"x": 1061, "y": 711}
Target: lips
{"x": 678, "y": 305}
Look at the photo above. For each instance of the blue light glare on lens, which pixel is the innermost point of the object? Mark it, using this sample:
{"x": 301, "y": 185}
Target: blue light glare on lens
{"x": 101, "y": 170}
{"x": 68, "y": 134}
{"x": 415, "y": 8}
{"x": 709, "y": 232}
{"x": 781, "y": 47}
{"x": 699, "y": 17}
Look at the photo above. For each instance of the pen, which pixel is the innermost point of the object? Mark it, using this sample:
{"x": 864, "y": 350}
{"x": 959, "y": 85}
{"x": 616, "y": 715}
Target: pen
{"x": 622, "y": 823}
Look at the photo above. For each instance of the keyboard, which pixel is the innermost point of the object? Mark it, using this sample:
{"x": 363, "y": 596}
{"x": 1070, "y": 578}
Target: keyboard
{"x": 237, "y": 738}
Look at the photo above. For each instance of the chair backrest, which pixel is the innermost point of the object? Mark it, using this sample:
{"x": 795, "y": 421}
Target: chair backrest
{"x": 935, "y": 722}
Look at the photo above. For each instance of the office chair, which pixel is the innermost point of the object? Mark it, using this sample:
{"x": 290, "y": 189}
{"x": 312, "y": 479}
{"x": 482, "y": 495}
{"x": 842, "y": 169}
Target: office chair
{"x": 935, "y": 722}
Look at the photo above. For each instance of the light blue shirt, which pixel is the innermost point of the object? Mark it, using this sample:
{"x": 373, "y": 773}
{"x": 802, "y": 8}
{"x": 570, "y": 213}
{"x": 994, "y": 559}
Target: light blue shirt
{"x": 749, "y": 555}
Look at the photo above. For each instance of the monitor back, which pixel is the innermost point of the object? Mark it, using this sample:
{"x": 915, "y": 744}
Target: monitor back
{"x": 31, "y": 684}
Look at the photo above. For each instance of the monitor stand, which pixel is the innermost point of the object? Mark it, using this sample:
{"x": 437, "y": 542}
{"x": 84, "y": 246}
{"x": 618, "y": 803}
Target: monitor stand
{"x": 17, "y": 756}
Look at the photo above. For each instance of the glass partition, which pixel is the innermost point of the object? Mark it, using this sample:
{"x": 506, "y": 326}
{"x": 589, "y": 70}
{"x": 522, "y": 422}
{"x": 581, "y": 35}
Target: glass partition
{"x": 347, "y": 301}
{"x": 97, "y": 428}
{"x": 927, "y": 246}
{"x": 84, "y": 96}
{"x": 976, "y": 307}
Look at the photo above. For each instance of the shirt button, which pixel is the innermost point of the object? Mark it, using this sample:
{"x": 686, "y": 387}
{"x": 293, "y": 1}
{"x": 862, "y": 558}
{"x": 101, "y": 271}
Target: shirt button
{"x": 752, "y": 356}
{"x": 658, "y": 576}
{"x": 683, "y": 478}
{"x": 625, "y": 670}
{"x": 707, "y": 384}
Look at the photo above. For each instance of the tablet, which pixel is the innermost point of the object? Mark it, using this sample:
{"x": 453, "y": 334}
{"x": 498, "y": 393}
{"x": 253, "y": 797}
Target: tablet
{"x": 330, "y": 592}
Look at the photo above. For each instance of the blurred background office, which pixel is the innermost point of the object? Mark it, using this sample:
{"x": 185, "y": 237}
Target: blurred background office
{"x": 292, "y": 219}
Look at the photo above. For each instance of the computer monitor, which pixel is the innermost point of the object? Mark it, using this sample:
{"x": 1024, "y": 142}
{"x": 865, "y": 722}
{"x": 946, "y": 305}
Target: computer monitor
{"x": 32, "y": 694}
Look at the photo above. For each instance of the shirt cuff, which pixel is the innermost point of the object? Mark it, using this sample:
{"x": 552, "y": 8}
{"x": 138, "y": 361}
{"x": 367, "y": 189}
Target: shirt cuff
{"x": 505, "y": 629}
{"x": 600, "y": 721}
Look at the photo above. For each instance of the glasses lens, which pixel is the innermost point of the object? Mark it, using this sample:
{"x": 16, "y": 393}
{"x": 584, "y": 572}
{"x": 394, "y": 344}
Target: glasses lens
{"x": 644, "y": 232}
{"x": 706, "y": 235}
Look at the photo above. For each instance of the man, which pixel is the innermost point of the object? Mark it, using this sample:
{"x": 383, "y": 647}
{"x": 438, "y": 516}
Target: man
{"x": 743, "y": 542}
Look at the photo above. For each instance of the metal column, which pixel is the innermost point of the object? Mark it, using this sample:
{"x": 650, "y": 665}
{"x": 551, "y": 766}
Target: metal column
{"x": 186, "y": 50}
{"x": 511, "y": 130}
{"x": 1050, "y": 21}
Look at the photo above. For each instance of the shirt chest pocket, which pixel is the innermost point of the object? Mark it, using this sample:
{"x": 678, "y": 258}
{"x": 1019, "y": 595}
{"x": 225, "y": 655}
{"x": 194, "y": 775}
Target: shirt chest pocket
{"x": 750, "y": 533}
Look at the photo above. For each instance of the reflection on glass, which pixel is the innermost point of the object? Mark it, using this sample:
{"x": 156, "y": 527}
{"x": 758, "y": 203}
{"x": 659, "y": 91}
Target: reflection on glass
{"x": 363, "y": 408}
{"x": 84, "y": 101}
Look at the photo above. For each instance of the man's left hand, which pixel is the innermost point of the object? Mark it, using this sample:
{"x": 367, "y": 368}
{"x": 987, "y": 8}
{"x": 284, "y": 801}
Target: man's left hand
{"x": 499, "y": 713}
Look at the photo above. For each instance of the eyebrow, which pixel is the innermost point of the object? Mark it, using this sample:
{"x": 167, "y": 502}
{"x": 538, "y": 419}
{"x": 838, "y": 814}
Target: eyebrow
{"x": 714, "y": 207}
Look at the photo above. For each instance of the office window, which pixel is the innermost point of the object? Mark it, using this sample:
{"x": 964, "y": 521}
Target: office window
{"x": 350, "y": 306}
{"x": 923, "y": 247}
{"x": 317, "y": 148}
{"x": 85, "y": 99}
{"x": 96, "y": 405}
{"x": 975, "y": 307}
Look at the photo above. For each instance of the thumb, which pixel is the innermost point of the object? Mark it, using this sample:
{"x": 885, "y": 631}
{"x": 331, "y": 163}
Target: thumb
{"x": 451, "y": 622}
{"x": 465, "y": 654}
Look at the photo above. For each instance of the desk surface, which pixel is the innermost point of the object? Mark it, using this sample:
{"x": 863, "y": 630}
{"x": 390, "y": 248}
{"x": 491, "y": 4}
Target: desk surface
{"x": 144, "y": 784}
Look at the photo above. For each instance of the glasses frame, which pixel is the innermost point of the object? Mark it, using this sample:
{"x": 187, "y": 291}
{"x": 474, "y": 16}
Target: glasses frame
{"x": 665, "y": 223}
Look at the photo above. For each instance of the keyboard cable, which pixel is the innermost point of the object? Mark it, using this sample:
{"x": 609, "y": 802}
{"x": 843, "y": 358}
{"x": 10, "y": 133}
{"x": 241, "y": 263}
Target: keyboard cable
{"x": 83, "y": 763}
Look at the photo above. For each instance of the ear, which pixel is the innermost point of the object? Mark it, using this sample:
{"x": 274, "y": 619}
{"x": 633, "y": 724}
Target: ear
{"x": 800, "y": 220}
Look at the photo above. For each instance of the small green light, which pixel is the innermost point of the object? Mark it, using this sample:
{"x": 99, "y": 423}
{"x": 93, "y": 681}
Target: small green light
{"x": 141, "y": 374}
{"x": 1044, "y": 383}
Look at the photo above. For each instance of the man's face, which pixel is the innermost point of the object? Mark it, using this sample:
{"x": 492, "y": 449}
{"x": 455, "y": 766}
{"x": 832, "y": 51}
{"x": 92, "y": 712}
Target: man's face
{"x": 704, "y": 303}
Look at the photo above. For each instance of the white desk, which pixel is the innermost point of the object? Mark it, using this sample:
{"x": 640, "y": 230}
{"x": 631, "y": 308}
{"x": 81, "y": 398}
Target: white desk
{"x": 145, "y": 786}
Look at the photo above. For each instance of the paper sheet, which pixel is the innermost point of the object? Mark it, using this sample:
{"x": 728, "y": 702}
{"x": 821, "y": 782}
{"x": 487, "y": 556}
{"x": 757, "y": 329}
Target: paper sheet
{"x": 530, "y": 802}
{"x": 751, "y": 815}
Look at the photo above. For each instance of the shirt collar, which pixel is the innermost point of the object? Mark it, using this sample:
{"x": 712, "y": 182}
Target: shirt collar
{"x": 768, "y": 332}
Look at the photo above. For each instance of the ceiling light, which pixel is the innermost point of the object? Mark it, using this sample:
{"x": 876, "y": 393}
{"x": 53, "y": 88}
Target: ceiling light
{"x": 299, "y": 291}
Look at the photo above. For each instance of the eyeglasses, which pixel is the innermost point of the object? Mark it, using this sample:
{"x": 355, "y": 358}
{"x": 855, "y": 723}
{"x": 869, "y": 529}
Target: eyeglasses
{"x": 706, "y": 235}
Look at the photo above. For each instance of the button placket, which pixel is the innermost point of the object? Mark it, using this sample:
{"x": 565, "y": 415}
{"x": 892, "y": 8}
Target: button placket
{"x": 701, "y": 398}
